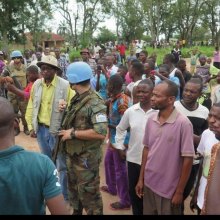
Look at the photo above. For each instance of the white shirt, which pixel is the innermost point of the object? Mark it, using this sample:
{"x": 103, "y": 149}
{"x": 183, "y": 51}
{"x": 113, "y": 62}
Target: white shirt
{"x": 206, "y": 143}
{"x": 131, "y": 86}
{"x": 112, "y": 71}
{"x": 135, "y": 118}
{"x": 138, "y": 47}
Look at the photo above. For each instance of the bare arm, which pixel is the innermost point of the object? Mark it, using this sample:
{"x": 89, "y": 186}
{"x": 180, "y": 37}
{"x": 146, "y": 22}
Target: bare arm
{"x": 193, "y": 202}
{"x": 185, "y": 173}
{"x": 11, "y": 87}
{"x": 196, "y": 140}
{"x": 140, "y": 185}
{"x": 57, "y": 206}
{"x": 98, "y": 81}
{"x": 179, "y": 74}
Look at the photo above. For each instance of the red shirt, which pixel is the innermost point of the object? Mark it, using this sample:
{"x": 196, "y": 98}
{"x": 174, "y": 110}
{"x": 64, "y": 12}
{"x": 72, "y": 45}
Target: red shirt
{"x": 121, "y": 49}
{"x": 27, "y": 90}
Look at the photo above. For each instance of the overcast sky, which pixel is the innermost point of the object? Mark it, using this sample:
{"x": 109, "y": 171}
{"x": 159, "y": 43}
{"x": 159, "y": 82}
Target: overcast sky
{"x": 54, "y": 24}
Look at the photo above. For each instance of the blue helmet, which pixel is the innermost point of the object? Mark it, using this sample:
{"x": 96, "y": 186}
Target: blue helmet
{"x": 16, "y": 53}
{"x": 78, "y": 72}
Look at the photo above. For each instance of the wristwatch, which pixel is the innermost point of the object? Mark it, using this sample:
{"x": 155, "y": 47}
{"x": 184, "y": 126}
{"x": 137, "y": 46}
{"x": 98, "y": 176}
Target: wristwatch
{"x": 72, "y": 134}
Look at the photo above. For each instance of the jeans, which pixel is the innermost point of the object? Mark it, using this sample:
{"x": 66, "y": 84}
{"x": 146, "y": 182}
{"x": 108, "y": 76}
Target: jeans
{"x": 46, "y": 142}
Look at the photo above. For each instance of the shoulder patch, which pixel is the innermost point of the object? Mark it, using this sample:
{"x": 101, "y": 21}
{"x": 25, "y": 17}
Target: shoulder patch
{"x": 101, "y": 117}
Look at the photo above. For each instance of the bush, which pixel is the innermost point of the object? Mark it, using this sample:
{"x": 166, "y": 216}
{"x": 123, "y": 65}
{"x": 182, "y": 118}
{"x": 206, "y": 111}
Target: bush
{"x": 74, "y": 55}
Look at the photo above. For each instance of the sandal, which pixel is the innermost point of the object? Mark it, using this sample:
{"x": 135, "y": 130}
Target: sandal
{"x": 119, "y": 206}
{"x": 105, "y": 189}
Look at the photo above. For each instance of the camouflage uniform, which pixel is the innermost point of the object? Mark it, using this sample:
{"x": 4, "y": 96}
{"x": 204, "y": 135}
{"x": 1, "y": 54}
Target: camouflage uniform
{"x": 86, "y": 111}
{"x": 20, "y": 81}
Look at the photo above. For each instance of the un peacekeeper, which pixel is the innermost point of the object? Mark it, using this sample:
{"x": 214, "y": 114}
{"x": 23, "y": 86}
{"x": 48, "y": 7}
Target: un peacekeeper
{"x": 17, "y": 71}
{"x": 85, "y": 127}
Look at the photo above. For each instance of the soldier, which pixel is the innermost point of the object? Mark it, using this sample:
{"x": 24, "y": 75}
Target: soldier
{"x": 85, "y": 128}
{"x": 17, "y": 71}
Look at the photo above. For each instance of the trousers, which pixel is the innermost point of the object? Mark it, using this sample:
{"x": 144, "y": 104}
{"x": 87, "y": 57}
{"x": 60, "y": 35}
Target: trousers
{"x": 46, "y": 142}
{"x": 116, "y": 175}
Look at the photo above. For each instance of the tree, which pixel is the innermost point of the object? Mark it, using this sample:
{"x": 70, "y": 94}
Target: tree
{"x": 20, "y": 16}
{"x": 105, "y": 35}
{"x": 69, "y": 17}
{"x": 129, "y": 19}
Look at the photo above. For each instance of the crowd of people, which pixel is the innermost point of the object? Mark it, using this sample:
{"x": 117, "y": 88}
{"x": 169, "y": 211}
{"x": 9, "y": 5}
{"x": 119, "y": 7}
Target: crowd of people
{"x": 160, "y": 125}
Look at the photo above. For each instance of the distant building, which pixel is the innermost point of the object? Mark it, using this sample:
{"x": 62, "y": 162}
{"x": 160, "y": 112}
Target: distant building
{"x": 46, "y": 39}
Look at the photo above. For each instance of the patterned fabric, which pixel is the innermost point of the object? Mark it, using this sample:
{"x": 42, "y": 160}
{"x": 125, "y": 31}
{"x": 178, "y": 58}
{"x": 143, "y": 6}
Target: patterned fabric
{"x": 212, "y": 191}
{"x": 63, "y": 63}
{"x": 86, "y": 111}
{"x": 116, "y": 110}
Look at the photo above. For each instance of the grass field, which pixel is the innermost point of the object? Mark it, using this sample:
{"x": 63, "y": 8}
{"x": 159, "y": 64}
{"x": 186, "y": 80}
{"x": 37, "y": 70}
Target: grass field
{"x": 160, "y": 52}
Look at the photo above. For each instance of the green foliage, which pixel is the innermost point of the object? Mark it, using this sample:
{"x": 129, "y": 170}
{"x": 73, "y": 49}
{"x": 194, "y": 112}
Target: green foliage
{"x": 105, "y": 35}
{"x": 74, "y": 54}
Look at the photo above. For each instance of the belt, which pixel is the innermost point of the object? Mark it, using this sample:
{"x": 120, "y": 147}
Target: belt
{"x": 42, "y": 124}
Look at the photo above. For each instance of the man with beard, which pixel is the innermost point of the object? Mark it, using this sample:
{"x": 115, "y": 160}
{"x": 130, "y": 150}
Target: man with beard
{"x": 167, "y": 155}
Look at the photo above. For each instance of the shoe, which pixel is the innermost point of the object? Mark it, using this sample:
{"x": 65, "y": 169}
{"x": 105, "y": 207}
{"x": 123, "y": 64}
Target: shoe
{"x": 105, "y": 189}
{"x": 119, "y": 206}
{"x": 26, "y": 131}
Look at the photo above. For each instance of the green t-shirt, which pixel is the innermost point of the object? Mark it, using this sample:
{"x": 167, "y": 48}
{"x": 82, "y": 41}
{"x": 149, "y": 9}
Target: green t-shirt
{"x": 26, "y": 180}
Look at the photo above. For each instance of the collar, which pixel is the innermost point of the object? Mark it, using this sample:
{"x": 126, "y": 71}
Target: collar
{"x": 138, "y": 107}
{"x": 54, "y": 81}
{"x": 170, "y": 120}
{"x": 83, "y": 95}
{"x": 11, "y": 150}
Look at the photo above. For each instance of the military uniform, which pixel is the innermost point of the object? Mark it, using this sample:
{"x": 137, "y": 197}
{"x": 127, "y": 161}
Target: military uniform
{"x": 20, "y": 81}
{"x": 86, "y": 111}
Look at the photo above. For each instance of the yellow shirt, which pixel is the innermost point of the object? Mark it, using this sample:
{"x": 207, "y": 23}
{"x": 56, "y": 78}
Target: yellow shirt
{"x": 44, "y": 114}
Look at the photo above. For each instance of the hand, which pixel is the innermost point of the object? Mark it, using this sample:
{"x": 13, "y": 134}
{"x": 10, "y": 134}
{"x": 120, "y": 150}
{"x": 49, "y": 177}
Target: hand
{"x": 193, "y": 202}
{"x": 177, "y": 199}
{"x": 33, "y": 134}
{"x": 66, "y": 134}
{"x": 8, "y": 79}
{"x": 10, "y": 87}
{"x": 139, "y": 188}
{"x": 122, "y": 154}
{"x": 62, "y": 105}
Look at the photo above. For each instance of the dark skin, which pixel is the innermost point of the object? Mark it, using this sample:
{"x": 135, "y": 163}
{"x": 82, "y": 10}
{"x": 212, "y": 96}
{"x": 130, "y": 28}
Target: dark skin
{"x": 191, "y": 93}
{"x": 31, "y": 77}
{"x": 48, "y": 72}
{"x": 214, "y": 126}
{"x": 55, "y": 204}
{"x": 143, "y": 95}
{"x": 162, "y": 101}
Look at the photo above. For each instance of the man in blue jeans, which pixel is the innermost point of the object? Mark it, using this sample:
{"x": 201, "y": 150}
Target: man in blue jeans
{"x": 43, "y": 115}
